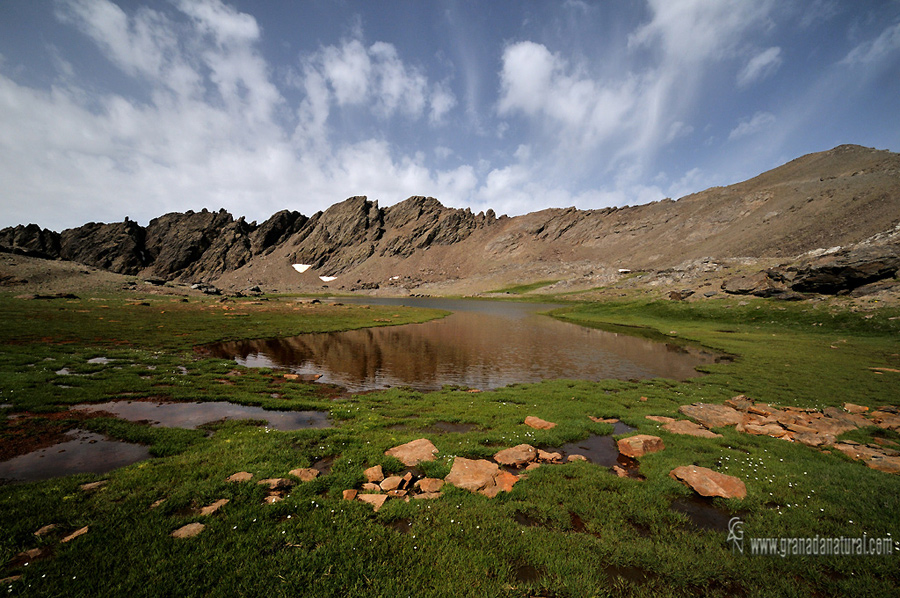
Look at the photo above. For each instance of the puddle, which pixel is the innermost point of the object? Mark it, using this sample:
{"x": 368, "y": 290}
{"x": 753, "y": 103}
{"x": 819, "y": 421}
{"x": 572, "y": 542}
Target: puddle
{"x": 192, "y": 415}
{"x": 481, "y": 345}
{"x": 622, "y": 428}
{"x": 85, "y": 453}
{"x": 603, "y": 451}
{"x": 703, "y": 513}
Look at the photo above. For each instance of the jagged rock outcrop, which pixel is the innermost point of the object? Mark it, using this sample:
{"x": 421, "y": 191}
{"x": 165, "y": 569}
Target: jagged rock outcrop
{"x": 118, "y": 246}
{"x": 276, "y": 230}
{"x": 30, "y": 240}
{"x": 845, "y": 270}
{"x": 175, "y": 241}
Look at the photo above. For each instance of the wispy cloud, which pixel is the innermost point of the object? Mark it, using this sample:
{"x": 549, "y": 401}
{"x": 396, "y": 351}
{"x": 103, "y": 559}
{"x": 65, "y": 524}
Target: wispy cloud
{"x": 760, "y": 66}
{"x": 758, "y": 122}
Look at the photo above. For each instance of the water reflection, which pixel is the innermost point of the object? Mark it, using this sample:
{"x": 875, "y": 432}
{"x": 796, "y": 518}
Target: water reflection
{"x": 480, "y": 345}
{"x": 85, "y": 453}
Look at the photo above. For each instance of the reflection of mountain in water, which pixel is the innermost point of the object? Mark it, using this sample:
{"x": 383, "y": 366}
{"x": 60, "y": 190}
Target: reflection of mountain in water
{"x": 480, "y": 350}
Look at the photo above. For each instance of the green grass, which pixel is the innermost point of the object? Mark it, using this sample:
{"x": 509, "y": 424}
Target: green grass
{"x": 586, "y": 524}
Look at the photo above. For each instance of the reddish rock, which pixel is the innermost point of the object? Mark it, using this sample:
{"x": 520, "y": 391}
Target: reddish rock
{"x": 538, "y": 423}
{"x": 472, "y": 474}
{"x": 273, "y": 498}
{"x": 548, "y": 457}
{"x": 93, "y": 485}
{"x": 307, "y": 474}
{"x": 374, "y": 474}
{"x": 276, "y": 483}
{"x": 350, "y": 494}
{"x": 430, "y": 484}
{"x": 712, "y": 416}
{"x": 75, "y": 534}
{"x": 885, "y": 420}
{"x": 573, "y": 458}
{"x": 45, "y": 530}
{"x": 619, "y": 471}
{"x": 532, "y": 466}
{"x": 640, "y": 445}
{"x": 761, "y": 409}
{"x": 884, "y": 463}
{"x": 814, "y": 439}
{"x": 689, "y": 428}
{"x": 740, "y": 402}
{"x": 603, "y": 420}
{"x": 396, "y": 493}
{"x": 830, "y": 425}
{"x": 188, "y": 531}
{"x": 503, "y": 482}
{"x": 210, "y": 509}
{"x": 427, "y": 495}
{"x": 413, "y": 453}
{"x": 376, "y": 500}
{"x": 241, "y": 476}
{"x": 851, "y": 408}
{"x": 391, "y": 483}
{"x": 661, "y": 419}
{"x": 371, "y": 486}
{"x": 707, "y": 482}
{"x": 516, "y": 456}
{"x": 765, "y": 430}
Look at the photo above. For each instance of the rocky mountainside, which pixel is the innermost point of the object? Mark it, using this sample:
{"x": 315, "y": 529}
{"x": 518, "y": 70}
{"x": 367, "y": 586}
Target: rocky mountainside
{"x": 830, "y": 214}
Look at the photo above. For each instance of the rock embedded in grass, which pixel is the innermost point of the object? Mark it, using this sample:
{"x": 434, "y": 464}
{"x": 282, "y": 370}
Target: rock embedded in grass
{"x": 75, "y": 534}
{"x": 712, "y": 416}
{"x": 376, "y": 500}
{"x": 374, "y": 474}
{"x": 707, "y": 482}
{"x": 640, "y": 445}
{"x": 306, "y": 474}
{"x": 210, "y": 509}
{"x": 689, "y": 428}
{"x": 414, "y": 452}
{"x": 472, "y": 474}
{"x": 516, "y": 456}
{"x": 241, "y": 476}
{"x": 538, "y": 423}
{"x": 188, "y": 531}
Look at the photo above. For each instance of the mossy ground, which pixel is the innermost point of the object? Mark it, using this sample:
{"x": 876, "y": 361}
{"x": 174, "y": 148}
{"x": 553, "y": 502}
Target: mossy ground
{"x": 588, "y": 532}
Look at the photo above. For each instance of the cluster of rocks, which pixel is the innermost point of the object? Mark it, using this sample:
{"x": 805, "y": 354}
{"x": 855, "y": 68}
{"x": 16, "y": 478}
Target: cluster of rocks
{"x": 795, "y": 424}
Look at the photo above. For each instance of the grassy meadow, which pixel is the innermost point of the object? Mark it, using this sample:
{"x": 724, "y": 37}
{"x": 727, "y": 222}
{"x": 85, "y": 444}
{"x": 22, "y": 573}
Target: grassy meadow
{"x": 573, "y": 530}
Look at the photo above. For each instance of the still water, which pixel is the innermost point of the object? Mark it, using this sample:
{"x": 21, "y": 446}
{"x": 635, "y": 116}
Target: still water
{"x": 482, "y": 344}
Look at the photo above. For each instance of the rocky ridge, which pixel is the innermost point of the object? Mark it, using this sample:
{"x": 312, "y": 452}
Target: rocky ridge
{"x": 824, "y": 223}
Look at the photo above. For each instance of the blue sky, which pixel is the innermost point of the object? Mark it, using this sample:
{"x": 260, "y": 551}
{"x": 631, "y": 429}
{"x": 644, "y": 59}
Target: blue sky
{"x": 138, "y": 108}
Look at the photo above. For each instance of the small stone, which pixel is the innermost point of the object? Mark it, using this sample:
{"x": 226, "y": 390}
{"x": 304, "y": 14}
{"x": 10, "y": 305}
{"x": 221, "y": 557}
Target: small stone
{"x": 740, "y": 402}
{"x": 372, "y": 487}
{"x": 572, "y": 458}
{"x": 660, "y": 419}
{"x": 391, "y": 483}
{"x": 276, "y": 483}
{"x": 75, "y": 534}
{"x": 516, "y": 456}
{"x": 548, "y": 457}
{"x": 707, "y": 482}
{"x": 532, "y": 466}
{"x": 291, "y": 376}
{"x": 307, "y": 474}
{"x": 350, "y": 494}
{"x": 271, "y": 499}
{"x": 374, "y": 474}
{"x": 414, "y": 452}
{"x": 428, "y": 495}
{"x": 45, "y": 530}
{"x": 156, "y": 503}
{"x": 93, "y": 485}
{"x": 619, "y": 471}
{"x": 376, "y": 500}
{"x": 643, "y": 399}
{"x": 640, "y": 445}
{"x": 209, "y": 510}
{"x": 538, "y": 423}
{"x": 430, "y": 484}
{"x": 603, "y": 420}
{"x": 188, "y": 531}
{"x": 851, "y": 408}
{"x": 241, "y": 476}
{"x": 396, "y": 493}
{"x": 689, "y": 428}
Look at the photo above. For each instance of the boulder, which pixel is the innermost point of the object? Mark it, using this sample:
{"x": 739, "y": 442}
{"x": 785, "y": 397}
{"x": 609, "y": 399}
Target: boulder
{"x": 414, "y": 452}
{"x": 707, "y": 482}
{"x": 761, "y": 284}
{"x": 538, "y": 423}
{"x": 640, "y": 445}
{"x": 689, "y": 428}
{"x": 471, "y": 474}
{"x": 712, "y": 416}
{"x": 516, "y": 456}
{"x": 846, "y": 269}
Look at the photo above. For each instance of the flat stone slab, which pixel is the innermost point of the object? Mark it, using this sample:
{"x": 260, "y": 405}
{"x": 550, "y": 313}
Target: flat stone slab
{"x": 306, "y": 474}
{"x": 241, "y": 476}
{"x": 538, "y": 423}
{"x": 662, "y": 419}
{"x": 640, "y": 445}
{"x": 689, "y": 428}
{"x": 472, "y": 474}
{"x": 414, "y": 452}
{"x": 376, "y": 500}
{"x": 210, "y": 509}
{"x": 374, "y": 474}
{"x": 188, "y": 531}
{"x": 516, "y": 456}
{"x": 712, "y": 416}
{"x": 75, "y": 534}
{"x": 707, "y": 482}
{"x": 430, "y": 485}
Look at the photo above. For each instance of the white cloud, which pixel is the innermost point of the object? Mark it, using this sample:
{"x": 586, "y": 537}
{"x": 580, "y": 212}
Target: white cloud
{"x": 758, "y": 122}
{"x": 883, "y": 46}
{"x": 760, "y": 66}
